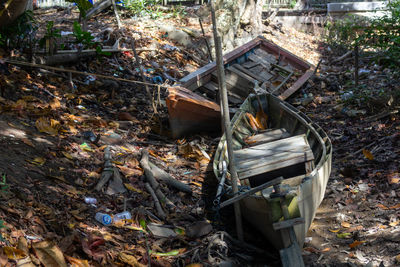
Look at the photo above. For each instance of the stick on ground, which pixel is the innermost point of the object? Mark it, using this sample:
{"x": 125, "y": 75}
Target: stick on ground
{"x": 144, "y": 162}
{"x": 157, "y": 204}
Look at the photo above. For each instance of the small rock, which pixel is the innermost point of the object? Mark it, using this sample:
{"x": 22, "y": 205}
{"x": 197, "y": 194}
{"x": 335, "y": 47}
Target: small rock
{"x": 125, "y": 116}
{"x": 198, "y": 229}
{"x": 348, "y": 180}
{"x": 323, "y": 85}
{"x": 161, "y": 231}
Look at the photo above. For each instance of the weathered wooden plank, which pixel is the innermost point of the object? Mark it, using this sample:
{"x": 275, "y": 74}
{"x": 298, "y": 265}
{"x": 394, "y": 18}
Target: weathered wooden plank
{"x": 249, "y": 64}
{"x": 240, "y": 73}
{"x": 236, "y": 84}
{"x": 267, "y": 56}
{"x": 301, "y": 156}
{"x": 251, "y": 73}
{"x": 260, "y": 60}
{"x": 268, "y": 136}
{"x": 271, "y": 167}
{"x": 288, "y": 144}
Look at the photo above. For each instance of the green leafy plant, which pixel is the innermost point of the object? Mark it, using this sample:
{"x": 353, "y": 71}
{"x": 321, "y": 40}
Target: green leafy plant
{"x": 86, "y": 39}
{"x": 83, "y": 37}
{"x": 49, "y": 39}
{"x": 383, "y": 35}
{"x": 141, "y": 7}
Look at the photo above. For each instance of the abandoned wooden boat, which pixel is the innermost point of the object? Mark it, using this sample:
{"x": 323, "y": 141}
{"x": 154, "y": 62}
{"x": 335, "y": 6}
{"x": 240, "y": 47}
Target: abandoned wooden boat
{"x": 274, "y": 68}
{"x": 292, "y": 147}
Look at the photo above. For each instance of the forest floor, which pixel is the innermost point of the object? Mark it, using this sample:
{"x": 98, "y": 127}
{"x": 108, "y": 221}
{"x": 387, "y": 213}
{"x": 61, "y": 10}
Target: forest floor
{"x": 53, "y": 138}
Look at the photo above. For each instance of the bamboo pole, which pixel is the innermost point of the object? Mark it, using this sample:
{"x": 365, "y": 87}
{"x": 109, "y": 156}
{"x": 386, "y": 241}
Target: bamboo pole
{"x": 226, "y": 119}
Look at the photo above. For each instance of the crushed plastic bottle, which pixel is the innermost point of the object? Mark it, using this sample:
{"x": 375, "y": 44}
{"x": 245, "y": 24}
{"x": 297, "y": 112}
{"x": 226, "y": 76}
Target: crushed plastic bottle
{"x": 103, "y": 218}
{"x": 126, "y": 215}
{"x": 90, "y": 200}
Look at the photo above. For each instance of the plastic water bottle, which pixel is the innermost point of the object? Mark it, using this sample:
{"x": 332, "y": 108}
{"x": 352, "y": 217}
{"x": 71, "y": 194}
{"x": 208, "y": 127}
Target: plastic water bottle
{"x": 126, "y": 215}
{"x": 103, "y": 218}
{"x": 90, "y": 200}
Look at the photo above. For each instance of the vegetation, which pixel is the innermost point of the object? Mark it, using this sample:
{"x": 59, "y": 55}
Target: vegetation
{"x": 20, "y": 33}
{"x": 380, "y": 34}
{"x": 150, "y": 8}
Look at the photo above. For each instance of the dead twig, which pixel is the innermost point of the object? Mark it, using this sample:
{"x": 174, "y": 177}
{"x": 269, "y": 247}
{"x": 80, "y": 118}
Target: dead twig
{"x": 344, "y": 56}
{"x": 157, "y": 204}
{"x": 205, "y": 39}
{"x": 162, "y": 175}
{"x": 144, "y": 162}
{"x": 381, "y": 115}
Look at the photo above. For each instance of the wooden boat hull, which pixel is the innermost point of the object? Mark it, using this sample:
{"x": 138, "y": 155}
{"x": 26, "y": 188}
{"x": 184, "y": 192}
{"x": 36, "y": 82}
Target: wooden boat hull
{"x": 10, "y": 10}
{"x": 183, "y": 115}
{"x": 259, "y": 209}
{"x": 204, "y": 79}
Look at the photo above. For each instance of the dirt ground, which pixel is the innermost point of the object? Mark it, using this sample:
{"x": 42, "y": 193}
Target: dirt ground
{"x": 54, "y": 135}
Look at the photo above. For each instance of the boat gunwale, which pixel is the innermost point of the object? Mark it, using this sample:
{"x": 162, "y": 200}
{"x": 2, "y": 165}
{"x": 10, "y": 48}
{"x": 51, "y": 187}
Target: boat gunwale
{"x": 307, "y": 122}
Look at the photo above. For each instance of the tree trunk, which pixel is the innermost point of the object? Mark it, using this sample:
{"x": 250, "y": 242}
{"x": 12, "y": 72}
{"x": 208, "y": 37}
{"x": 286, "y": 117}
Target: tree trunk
{"x": 238, "y": 21}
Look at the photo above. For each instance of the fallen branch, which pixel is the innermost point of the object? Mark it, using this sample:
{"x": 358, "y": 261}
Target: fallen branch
{"x": 381, "y": 115}
{"x": 144, "y": 162}
{"x": 369, "y": 145}
{"x": 107, "y": 77}
{"x": 157, "y": 204}
{"x": 162, "y": 175}
{"x": 347, "y": 54}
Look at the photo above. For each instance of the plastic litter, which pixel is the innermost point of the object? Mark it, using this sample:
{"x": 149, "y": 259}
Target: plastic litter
{"x": 126, "y": 215}
{"x": 90, "y": 200}
{"x": 103, "y": 218}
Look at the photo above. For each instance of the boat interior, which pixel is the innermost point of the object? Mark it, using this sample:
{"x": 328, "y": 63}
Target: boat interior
{"x": 289, "y": 144}
{"x": 263, "y": 63}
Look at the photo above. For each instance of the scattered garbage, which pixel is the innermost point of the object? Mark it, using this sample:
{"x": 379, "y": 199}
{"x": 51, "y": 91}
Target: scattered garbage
{"x": 126, "y": 215}
{"x": 89, "y": 135}
{"x": 161, "y": 231}
{"x": 103, "y": 218}
{"x": 347, "y": 95}
{"x": 90, "y": 200}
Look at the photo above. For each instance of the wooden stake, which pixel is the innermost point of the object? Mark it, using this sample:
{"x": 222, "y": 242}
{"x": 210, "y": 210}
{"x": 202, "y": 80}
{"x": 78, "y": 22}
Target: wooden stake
{"x": 205, "y": 39}
{"x": 226, "y": 119}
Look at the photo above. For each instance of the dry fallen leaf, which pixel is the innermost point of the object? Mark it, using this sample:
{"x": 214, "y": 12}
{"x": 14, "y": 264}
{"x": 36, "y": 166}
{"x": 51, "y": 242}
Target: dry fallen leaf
{"x": 334, "y": 230}
{"x": 28, "y": 142}
{"x": 393, "y": 178}
{"x": 77, "y": 262}
{"x": 129, "y": 259}
{"x": 346, "y": 224}
{"x": 55, "y": 104}
{"x": 49, "y": 254}
{"x": 45, "y": 125}
{"x": 395, "y": 207}
{"x": 38, "y": 161}
{"x": 67, "y": 155}
{"x": 368, "y": 154}
{"x": 393, "y": 224}
{"x": 382, "y": 207}
{"x": 326, "y": 250}
{"x": 14, "y": 253}
{"x": 356, "y": 244}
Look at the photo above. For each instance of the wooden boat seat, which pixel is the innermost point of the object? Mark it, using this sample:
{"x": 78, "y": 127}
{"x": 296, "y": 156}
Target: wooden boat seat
{"x": 267, "y": 157}
{"x": 267, "y": 136}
